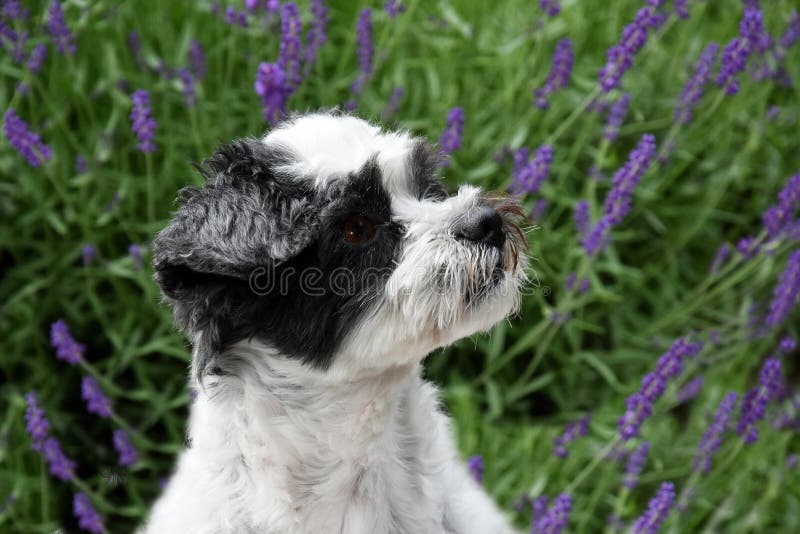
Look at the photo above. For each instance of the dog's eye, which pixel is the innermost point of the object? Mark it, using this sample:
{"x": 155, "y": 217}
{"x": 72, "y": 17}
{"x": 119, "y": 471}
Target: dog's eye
{"x": 358, "y": 229}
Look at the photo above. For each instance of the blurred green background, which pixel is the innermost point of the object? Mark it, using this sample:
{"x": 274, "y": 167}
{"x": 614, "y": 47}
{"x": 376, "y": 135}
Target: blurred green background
{"x": 567, "y": 354}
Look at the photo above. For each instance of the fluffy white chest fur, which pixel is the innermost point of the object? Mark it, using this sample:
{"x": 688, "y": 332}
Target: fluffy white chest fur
{"x": 271, "y": 455}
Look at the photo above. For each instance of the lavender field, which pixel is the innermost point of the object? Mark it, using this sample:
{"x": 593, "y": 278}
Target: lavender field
{"x": 650, "y": 382}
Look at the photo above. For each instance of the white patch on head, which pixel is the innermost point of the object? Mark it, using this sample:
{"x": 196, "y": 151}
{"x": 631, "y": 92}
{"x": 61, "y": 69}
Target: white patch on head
{"x": 329, "y": 147}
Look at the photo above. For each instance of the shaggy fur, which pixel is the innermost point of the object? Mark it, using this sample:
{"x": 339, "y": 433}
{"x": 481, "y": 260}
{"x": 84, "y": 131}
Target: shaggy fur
{"x": 311, "y": 416}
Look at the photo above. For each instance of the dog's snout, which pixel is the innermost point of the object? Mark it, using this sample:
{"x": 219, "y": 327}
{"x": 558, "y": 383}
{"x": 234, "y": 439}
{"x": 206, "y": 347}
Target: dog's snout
{"x": 482, "y": 224}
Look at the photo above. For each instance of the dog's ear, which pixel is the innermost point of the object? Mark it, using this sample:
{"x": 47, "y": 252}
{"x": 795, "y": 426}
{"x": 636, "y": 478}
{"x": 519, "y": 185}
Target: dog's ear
{"x": 247, "y": 216}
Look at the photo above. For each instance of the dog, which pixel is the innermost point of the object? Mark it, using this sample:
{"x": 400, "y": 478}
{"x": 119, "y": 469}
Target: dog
{"x": 313, "y": 273}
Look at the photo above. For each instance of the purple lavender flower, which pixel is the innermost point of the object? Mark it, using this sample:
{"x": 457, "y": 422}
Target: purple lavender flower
{"x": 58, "y": 464}
{"x": 88, "y": 518}
{"x": 475, "y": 467}
{"x": 558, "y": 77}
{"x": 36, "y": 422}
{"x": 272, "y": 5}
{"x": 59, "y": 31}
{"x": 787, "y": 344}
{"x": 754, "y": 403}
{"x": 81, "y": 166}
{"x": 37, "y": 57}
{"x": 583, "y": 285}
{"x": 791, "y": 461}
{"x": 125, "y": 449}
{"x": 291, "y": 46}
{"x": 657, "y": 510}
{"x": 618, "y": 201}
{"x": 135, "y": 252}
{"x": 271, "y": 87}
{"x": 784, "y": 296}
{"x": 551, "y": 8}
{"x": 739, "y": 49}
{"x": 14, "y": 11}
{"x": 88, "y": 253}
{"x": 722, "y": 255}
{"x": 394, "y": 8}
{"x": 693, "y": 90}
{"x": 615, "y": 117}
{"x": 187, "y": 83}
{"x": 555, "y": 519}
{"x": 251, "y": 5}
{"x": 569, "y": 284}
{"x": 747, "y": 247}
{"x": 712, "y": 438}
{"x": 636, "y": 462}
{"x": 690, "y": 390}
{"x": 366, "y": 50}
{"x": 639, "y": 406}
{"x": 317, "y": 33}
{"x": 779, "y": 218}
{"x": 539, "y": 209}
{"x": 26, "y": 142}
{"x": 96, "y": 401}
{"x": 451, "y": 138}
{"x": 573, "y": 431}
{"x": 231, "y": 15}
{"x": 792, "y": 33}
{"x": 394, "y": 103}
{"x": 682, "y": 8}
{"x": 142, "y": 122}
{"x": 67, "y": 349}
{"x": 619, "y": 57}
{"x": 528, "y": 174}
{"x": 197, "y": 60}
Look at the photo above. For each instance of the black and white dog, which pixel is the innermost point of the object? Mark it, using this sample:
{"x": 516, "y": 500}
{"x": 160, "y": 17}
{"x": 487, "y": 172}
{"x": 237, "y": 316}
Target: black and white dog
{"x": 313, "y": 272}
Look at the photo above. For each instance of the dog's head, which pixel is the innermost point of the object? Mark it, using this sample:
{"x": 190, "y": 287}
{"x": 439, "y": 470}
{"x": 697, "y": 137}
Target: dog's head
{"x": 335, "y": 243}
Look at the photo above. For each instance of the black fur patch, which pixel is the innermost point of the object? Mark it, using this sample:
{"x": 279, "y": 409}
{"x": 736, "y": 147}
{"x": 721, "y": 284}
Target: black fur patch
{"x": 255, "y": 254}
{"x": 423, "y": 165}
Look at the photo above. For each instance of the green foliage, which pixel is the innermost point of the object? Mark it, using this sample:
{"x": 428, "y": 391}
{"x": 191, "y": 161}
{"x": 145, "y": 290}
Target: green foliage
{"x": 510, "y": 392}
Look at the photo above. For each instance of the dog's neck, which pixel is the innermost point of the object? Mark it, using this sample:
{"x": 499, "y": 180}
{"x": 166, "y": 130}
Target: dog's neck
{"x": 276, "y": 410}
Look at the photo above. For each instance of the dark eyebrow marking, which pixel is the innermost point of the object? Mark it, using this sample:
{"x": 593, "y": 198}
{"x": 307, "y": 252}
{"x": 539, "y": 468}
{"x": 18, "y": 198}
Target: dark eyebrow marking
{"x": 423, "y": 164}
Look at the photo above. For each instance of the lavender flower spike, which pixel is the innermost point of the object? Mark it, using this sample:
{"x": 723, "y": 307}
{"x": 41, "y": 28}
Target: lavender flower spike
{"x": 573, "y": 430}
{"x": 615, "y": 117}
{"x": 558, "y": 77}
{"x": 779, "y": 218}
{"x": 551, "y": 8}
{"x": 125, "y": 449}
{"x": 739, "y": 49}
{"x": 784, "y": 295}
{"x": 582, "y": 218}
{"x": 88, "y": 518}
{"x": 693, "y": 90}
{"x": 556, "y": 518}
{"x": 636, "y": 462}
{"x": 96, "y": 401}
{"x": 142, "y": 122}
{"x": 722, "y": 255}
{"x": 754, "y": 404}
{"x": 59, "y": 465}
{"x": 639, "y": 406}
{"x": 394, "y": 103}
{"x": 59, "y": 31}
{"x": 657, "y": 511}
{"x": 197, "y": 60}
{"x": 26, "y": 142}
{"x": 291, "y": 45}
{"x": 317, "y": 33}
{"x": 475, "y": 467}
{"x": 712, "y": 438}
{"x": 67, "y": 349}
{"x": 394, "y": 8}
{"x": 453, "y": 131}
{"x": 270, "y": 85}
{"x": 529, "y": 174}
{"x": 619, "y": 57}
{"x": 618, "y": 201}
{"x": 36, "y": 422}
{"x": 366, "y": 50}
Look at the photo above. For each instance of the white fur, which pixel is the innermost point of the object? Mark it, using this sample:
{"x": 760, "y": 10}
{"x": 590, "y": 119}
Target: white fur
{"x": 362, "y": 447}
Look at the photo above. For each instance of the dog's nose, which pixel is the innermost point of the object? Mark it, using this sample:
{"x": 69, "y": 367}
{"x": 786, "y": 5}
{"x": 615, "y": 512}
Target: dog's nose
{"x": 482, "y": 224}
